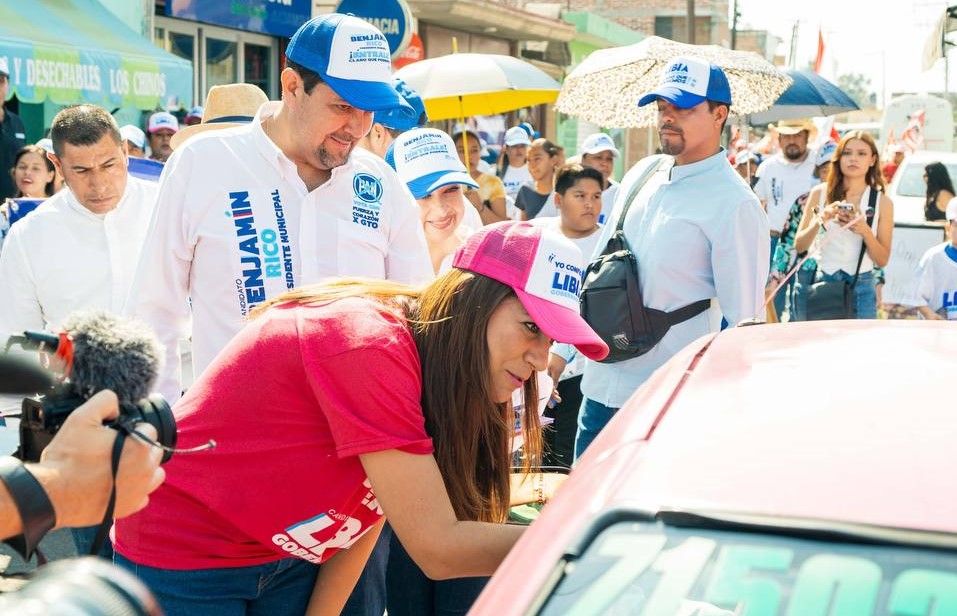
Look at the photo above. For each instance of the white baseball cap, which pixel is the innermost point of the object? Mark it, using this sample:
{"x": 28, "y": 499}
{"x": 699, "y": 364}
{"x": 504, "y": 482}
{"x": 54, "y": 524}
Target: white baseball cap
{"x": 599, "y": 142}
{"x": 825, "y": 153}
{"x": 516, "y": 136}
{"x": 4, "y": 67}
{"x": 161, "y": 120}
{"x": 952, "y": 210}
{"x": 134, "y": 135}
{"x": 425, "y": 159}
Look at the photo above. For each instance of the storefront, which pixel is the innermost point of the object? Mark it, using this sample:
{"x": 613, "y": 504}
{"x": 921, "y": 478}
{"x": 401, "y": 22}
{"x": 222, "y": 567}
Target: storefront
{"x": 474, "y": 26}
{"x": 230, "y": 41}
{"x": 77, "y": 51}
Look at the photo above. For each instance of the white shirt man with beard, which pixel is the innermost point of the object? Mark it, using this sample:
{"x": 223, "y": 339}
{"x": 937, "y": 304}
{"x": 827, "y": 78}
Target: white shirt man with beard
{"x": 783, "y": 178}
{"x": 249, "y": 212}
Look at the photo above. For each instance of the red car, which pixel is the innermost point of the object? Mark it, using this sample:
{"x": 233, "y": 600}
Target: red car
{"x": 796, "y": 469}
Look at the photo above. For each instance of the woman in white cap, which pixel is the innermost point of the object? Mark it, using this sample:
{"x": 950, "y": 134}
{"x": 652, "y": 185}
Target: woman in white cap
{"x": 426, "y": 161}
{"x": 343, "y": 403}
{"x": 512, "y": 162}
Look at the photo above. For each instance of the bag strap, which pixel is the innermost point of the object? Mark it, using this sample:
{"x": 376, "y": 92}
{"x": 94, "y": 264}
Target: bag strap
{"x": 686, "y": 312}
{"x": 871, "y": 211}
{"x": 636, "y": 188}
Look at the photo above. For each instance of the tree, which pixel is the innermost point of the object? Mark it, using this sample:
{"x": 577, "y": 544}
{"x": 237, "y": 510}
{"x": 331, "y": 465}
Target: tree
{"x": 858, "y": 87}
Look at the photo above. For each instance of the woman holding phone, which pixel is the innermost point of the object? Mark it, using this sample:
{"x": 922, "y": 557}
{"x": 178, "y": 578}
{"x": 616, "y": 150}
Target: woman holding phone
{"x": 835, "y": 215}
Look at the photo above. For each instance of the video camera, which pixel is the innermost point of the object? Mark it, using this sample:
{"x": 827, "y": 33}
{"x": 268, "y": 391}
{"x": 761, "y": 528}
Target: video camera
{"x": 97, "y": 351}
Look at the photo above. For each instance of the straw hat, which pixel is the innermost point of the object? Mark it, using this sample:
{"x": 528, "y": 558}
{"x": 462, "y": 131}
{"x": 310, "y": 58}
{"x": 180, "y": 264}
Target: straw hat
{"x": 793, "y": 127}
{"x": 233, "y": 104}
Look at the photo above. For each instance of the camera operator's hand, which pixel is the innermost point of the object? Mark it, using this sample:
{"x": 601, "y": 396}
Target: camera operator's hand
{"x": 75, "y": 467}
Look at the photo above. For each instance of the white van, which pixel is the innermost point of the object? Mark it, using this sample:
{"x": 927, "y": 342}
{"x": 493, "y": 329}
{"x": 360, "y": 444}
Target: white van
{"x": 938, "y": 121}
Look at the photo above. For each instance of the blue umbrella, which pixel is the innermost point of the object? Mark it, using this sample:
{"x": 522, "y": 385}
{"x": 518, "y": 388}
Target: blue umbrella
{"x": 810, "y": 95}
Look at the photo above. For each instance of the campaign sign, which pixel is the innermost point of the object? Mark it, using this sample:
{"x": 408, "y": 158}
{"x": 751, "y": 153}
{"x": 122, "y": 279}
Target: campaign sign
{"x": 392, "y": 17}
{"x": 19, "y": 208}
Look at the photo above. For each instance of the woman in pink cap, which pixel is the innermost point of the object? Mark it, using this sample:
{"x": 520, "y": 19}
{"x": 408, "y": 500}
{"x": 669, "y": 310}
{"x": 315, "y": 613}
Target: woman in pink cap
{"x": 344, "y": 403}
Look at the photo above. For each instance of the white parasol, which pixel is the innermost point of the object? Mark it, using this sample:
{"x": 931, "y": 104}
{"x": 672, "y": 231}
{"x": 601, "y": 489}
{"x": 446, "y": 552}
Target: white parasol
{"x": 606, "y": 86}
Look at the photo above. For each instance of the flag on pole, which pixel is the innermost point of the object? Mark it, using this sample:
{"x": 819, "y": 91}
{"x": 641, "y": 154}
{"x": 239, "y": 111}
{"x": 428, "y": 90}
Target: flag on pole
{"x": 819, "y": 60}
{"x": 913, "y": 136}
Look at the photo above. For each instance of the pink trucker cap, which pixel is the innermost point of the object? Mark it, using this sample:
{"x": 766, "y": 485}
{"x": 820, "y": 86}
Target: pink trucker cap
{"x": 544, "y": 268}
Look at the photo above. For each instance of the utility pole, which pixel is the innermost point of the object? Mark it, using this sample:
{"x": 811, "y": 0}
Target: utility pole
{"x": 691, "y": 22}
{"x": 734, "y": 24}
{"x": 792, "y": 60}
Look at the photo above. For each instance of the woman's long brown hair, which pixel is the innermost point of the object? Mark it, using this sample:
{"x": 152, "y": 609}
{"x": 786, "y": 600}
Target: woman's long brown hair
{"x": 471, "y": 433}
{"x": 835, "y": 177}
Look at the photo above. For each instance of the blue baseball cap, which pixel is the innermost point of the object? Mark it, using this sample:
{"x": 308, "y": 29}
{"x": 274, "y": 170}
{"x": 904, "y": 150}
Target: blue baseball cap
{"x": 425, "y": 159}
{"x": 687, "y": 82}
{"x": 398, "y": 118}
{"x": 351, "y": 56}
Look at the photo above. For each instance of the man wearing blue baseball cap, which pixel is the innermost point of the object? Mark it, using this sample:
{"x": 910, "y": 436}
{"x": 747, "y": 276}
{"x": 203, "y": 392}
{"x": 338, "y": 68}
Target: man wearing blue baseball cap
{"x": 250, "y": 211}
{"x": 696, "y": 228}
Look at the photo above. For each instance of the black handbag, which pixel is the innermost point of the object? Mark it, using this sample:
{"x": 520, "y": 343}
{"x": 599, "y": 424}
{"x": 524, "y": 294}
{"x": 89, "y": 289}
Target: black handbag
{"x": 611, "y": 301}
{"x": 829, "y": 300}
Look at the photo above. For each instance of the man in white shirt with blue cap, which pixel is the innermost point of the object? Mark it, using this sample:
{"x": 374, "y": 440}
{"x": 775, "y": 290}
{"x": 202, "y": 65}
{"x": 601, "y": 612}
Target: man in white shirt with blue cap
{"x": 246, "y": 213}
{"x": 696, "y": 228}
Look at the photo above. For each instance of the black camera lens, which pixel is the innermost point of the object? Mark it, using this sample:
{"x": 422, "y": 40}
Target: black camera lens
{"x": 154, "y": 410}
{"x": 81, "y": 587}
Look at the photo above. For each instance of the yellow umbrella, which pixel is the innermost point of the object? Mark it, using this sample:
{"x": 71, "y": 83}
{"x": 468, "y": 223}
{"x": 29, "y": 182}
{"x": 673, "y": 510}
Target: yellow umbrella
{"x": 467, "y": 84}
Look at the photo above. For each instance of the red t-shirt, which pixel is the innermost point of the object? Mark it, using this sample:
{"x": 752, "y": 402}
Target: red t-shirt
{"x": 291, "y": 402}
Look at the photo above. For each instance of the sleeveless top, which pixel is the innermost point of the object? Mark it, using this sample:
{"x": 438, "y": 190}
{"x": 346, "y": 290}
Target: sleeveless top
{"x": 931, "y": 211}
{"x": 843, "y": 246}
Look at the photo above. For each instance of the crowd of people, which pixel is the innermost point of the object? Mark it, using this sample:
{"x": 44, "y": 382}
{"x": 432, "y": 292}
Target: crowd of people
{"x": 376, "y": 317}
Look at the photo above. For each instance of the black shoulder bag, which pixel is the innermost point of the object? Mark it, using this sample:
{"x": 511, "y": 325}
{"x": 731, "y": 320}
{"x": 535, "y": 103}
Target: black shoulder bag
{"x": 611, "y": 300}
{"x": 834, "y": 299}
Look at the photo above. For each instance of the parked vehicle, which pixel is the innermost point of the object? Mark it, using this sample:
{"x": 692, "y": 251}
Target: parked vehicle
{"x": 938, "y": 120}
{"x": 908, "y": 191}
{"x": 800, "y": 468}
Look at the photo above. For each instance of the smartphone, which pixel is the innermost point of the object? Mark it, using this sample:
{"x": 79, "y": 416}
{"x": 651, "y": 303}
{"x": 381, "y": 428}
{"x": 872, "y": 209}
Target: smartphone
{"x": 847, "y": 207}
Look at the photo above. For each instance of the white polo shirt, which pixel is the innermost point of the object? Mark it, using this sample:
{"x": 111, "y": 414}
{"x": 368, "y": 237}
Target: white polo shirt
{"x": 235, "y": 225}
{"x": 62, "y": 258}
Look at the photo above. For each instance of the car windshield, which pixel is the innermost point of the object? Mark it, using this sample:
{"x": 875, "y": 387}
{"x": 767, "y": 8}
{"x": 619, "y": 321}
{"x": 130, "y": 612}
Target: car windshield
{"x": 650, "y": 569}
{"x": 912, "y": 180}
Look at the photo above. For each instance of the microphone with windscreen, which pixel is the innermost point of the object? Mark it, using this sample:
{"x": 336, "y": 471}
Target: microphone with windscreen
{"x": 96, "y": 351}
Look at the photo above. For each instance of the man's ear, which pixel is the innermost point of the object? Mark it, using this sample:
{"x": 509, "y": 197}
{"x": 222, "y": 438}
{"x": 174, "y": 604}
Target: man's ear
{"x": 290, "y": 83}
{"x": 56, "y": 162}
{"x": 721, "y": 113}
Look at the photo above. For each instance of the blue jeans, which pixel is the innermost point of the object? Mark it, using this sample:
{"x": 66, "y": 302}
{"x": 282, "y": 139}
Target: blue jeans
{"x": 280, "y": 587}
{"x": 411, "y": 593}
{"x": 368, "y": 598}
{"x": 592, "y": 418}
{"x": 804, "y": 278}
{"x": 865, "y": 291}
{"x": 83, "y": 540}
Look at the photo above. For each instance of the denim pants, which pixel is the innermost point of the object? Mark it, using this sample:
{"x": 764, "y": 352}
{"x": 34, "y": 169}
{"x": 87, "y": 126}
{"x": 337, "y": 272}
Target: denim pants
{"x": 83, "y": 539}
{"x": 802, "y": 280}
{"x": 592, "y": 418}
{"x": 411, "y": 593}
{"x": 865, "y": 291}
{"x": 280, "y": 587}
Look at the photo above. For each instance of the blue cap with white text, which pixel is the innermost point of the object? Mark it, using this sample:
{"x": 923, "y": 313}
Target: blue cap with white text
{"x": 400, "y": 118}
{"x": 351, "y": 56}
{"x": 687, "y": 82}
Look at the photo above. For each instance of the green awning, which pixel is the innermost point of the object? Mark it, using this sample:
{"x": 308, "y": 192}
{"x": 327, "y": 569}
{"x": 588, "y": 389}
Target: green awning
{"x": 77, "y": 51}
